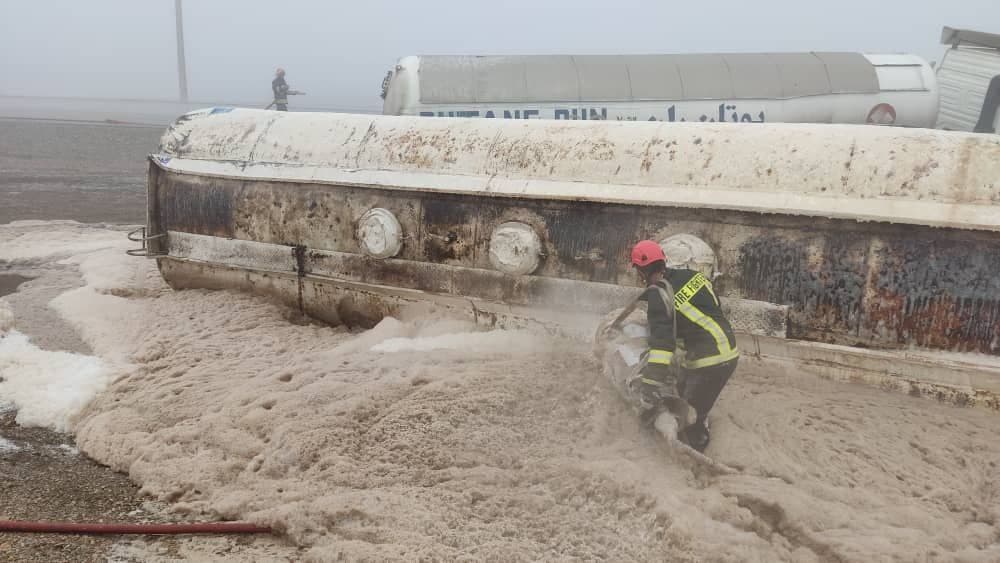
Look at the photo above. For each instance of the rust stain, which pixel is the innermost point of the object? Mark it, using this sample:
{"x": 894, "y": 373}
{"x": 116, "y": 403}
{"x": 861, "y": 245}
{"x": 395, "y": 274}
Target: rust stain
{"x": 647, "y": 156}
{"x": 943, "y": 322}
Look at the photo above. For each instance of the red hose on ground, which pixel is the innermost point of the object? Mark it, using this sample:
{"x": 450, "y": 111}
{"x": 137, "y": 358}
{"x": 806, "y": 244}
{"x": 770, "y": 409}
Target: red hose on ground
{"x": 143, "y": 529}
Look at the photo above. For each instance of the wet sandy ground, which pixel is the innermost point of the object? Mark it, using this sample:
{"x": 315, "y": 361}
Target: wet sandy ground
{"x": 44, "y": 477}
{"x": 93, "y": 173}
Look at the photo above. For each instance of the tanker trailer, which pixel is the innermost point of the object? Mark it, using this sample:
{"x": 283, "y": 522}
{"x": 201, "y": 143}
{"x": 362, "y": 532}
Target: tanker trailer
{"x": 882, "y": 89}
{"x": 868, "y": 253}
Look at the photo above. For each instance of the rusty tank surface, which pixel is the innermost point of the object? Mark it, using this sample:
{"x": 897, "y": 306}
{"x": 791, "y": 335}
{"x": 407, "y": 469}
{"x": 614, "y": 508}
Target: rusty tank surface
{"x": 858, "y": 249}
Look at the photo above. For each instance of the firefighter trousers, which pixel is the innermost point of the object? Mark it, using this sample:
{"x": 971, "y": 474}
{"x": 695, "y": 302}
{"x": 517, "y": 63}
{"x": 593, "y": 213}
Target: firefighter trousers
{"x": 701, "y": 387}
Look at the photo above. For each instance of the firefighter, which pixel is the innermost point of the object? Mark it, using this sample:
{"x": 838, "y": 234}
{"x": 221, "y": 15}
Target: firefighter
{"x": 281, "y": 91}
{"x": 695, "y": 323}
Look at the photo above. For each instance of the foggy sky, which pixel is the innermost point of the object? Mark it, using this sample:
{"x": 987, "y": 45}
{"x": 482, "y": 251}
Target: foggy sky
{"x": 339, "y": 51}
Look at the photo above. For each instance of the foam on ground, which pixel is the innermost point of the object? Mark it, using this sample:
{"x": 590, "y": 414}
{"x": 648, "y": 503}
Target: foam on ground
{"x": 6, "y": 446}
{"x": 26, "y": 240}
{"x": 521, "y": 340}
{"x": 47, "y": 388}
{"x": 430, "y": 439}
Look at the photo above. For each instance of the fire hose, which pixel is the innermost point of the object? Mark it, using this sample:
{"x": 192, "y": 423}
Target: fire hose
{"x": 141, "y": 529}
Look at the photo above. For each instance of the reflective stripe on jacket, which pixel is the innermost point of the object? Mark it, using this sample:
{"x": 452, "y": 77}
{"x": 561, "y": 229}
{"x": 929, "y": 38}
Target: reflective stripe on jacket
{"x": 702, "y": 329}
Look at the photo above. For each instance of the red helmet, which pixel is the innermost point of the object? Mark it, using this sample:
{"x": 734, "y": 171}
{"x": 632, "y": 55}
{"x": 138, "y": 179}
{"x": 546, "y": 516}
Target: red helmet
{"x": 645, "y": 252}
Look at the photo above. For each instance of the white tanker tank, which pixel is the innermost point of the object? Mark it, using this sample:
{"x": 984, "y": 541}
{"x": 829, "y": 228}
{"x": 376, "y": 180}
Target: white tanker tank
{"x": 869, "y": 252}
{"x": 884, "y": 89}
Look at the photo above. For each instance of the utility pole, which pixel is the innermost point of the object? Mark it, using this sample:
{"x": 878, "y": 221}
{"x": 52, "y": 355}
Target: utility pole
{"x": 181, "y": 66}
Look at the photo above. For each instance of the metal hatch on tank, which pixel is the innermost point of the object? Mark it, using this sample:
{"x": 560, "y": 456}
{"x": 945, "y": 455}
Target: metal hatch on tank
{"x": 826, "y": 241}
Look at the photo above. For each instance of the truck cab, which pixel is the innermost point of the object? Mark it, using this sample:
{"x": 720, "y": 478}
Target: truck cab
{"x": 969, "y": 81}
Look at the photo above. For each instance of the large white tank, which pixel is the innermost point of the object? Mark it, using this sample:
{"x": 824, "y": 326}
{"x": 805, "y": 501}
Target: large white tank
{"x": 822, "y": 240}
{"x": 769, "y": 87}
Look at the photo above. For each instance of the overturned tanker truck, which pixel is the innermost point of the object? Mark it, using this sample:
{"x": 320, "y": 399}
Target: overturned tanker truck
{"x": 866, "y": 253}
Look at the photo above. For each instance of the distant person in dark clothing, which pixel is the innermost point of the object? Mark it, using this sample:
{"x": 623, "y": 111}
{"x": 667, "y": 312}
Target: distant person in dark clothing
{"x": 281, "y": 91}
